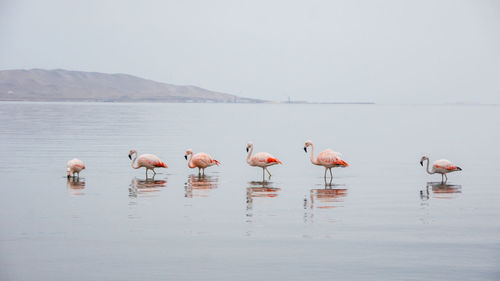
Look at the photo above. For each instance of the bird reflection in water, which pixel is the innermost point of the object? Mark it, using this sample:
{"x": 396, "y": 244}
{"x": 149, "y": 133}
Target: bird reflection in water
{"x": 200, "y": 185}
{"x": 145, "y": 188}
{"x": 325, "y": 198}
{"x": 75, "y": 186}
{"x": 329, "y": 197}
{"x": 262, "y": 189}
{"x": 440, "y": 190}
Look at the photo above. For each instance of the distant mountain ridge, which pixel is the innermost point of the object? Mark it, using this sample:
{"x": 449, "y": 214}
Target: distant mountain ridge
{"x": 65, "y": 85}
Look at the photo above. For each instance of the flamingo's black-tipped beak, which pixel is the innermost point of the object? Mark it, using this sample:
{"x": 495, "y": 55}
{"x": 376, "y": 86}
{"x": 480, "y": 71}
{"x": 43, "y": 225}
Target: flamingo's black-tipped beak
{"x": 459, "y": 169}
{"x": 305, "y": 149}
{"x": 247, "y": 149}
{"x": 422, "y": 163}
{"x": 129, "y": 157}
{"x": 186, "y": 157}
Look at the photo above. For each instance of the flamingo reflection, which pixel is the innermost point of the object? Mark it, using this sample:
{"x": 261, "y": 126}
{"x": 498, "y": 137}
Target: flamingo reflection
{"x": 145, "y": 188}
{"x": 199, "y": 186}
{"x": 326, "y": 198}
{"x": 260, "y": 190}
{"x": 75, "y": 186}
{"x": 440, "y": 190}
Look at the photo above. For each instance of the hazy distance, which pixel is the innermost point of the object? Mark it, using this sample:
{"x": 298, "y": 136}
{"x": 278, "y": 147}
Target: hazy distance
{"x": 379, "y": 51}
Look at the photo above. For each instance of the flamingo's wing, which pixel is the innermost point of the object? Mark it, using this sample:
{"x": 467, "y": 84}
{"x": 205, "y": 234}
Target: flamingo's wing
{"x": 444, "y": 164}
{"x": 264, "y": 158}
{"x": 75, "y": 164}
{"x": 202, "y": 159}
{"x": 150, "y": 160}
{"x": 330, "y": 157}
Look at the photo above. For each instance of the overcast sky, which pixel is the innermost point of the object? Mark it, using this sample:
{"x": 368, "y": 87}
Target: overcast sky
{"x": 381, "y": 51}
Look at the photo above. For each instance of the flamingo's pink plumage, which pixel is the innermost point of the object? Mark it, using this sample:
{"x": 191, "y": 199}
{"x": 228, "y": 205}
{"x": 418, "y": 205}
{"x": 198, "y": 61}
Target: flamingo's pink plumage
{"x": 74, "y": 166}
{"x": 200, "y": 160}
{"x": 261, "y": 159}
{"x": 148, "y": 161}
{"x": 327, "y": 158}
{"x": 441, "y": 166}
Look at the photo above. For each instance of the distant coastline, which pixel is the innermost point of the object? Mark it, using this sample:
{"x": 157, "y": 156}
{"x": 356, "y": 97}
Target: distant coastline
{"x": 61, "y": 85}
{"x": 309, "y": 102}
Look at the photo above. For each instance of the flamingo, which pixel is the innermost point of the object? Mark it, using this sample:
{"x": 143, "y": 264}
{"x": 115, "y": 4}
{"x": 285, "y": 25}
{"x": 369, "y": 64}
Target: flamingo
{"x": 74, "y": 166}
{"x": 261, "y": 159}
{"x": 441, "y": 166}
{"x": 327, "y": 158}
{"x": 148, "y": 161}
{"x": 200, "y": 160}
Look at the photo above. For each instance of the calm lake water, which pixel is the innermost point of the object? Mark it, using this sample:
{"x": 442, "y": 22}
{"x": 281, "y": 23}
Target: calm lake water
{"x": 383, "y": 218}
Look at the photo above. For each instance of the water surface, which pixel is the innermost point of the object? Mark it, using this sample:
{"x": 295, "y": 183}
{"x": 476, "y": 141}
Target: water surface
{"x": 382, "y": 218}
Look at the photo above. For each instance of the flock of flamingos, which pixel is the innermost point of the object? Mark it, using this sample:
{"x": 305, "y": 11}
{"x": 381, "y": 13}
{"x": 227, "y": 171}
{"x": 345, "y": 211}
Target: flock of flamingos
{"x": 327, "y": 158}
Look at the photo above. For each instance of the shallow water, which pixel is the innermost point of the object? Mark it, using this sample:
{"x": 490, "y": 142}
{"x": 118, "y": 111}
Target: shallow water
{"x": 382, "y": 218}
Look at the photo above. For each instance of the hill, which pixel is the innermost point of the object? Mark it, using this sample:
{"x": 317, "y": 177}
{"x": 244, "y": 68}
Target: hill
{"x": 64, "y": 85}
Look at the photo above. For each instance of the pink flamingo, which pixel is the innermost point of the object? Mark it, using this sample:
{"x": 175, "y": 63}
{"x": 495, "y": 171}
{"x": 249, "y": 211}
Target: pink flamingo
{"x": 74, "y": 166}
{"x": 200, "y": 160}
{"x": 441, "y": 166}
{"x": 327, "y": 158}
{"x": 261, "y": 159}
{"x": 148, "y": 161}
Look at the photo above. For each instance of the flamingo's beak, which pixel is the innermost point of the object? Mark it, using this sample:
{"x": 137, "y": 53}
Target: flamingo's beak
{"x": 247, "y": 149}
{"x": 129, "y": 157}
{"x": 305, "y": 149}
{"x": 185, "y": 157}
{"x": 422, "y": 163}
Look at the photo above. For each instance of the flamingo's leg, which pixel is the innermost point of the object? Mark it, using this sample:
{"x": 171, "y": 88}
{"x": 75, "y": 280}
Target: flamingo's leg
{"x": 446, "y": 177}
{"x": 268, "y": 172}
{"x": 331, "y": 175}
{"x": 147, "y": 173}
{"x": 263, "y": 175}
{"x": 199, "y": 171}
{"x": 203, "y": 171}
{"x": 442, "y": 177}
{"x": 154, "y": 173}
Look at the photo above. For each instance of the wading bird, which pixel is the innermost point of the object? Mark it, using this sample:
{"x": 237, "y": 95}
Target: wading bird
{"x": 261, "y": 159}
{"x": 200, "y": 160}
{"x": 148, "y": 161}
{"x": 441, "y": 166}
{"x": 74, "y": 166}
{"x": 327, "y": 158}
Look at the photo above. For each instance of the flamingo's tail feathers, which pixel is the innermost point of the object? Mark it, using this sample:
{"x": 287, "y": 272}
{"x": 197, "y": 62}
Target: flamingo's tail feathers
{"x": 342, "y": 163}
{"x": 273, "y": 160}
{"x": 452, "y": 168}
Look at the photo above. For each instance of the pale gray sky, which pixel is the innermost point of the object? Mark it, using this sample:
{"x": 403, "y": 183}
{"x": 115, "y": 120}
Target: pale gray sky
{"x": 382, "y": 51}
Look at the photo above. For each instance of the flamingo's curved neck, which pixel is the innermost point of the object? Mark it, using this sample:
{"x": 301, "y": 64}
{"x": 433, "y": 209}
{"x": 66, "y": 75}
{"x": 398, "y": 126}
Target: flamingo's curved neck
{"x": 429, "y": 172}
{"x": 134, "y": 165}
{"x": 190, "y": 162}
{"x": 249, "y": 154}
{"x": 314, "y": 161}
